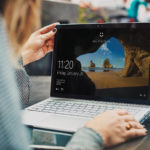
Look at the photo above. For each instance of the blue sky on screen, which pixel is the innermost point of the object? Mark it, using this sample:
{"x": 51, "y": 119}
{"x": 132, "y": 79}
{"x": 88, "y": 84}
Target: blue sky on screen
{"x": 112, "y": 49}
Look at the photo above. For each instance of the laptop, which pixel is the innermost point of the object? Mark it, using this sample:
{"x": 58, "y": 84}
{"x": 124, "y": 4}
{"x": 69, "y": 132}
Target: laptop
{"x": 96, "y": 67}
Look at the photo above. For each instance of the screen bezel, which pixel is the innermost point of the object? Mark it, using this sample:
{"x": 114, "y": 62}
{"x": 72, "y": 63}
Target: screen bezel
{"x": 101, "y": 98}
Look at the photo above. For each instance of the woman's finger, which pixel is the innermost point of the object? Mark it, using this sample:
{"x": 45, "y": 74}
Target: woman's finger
{"x": 122, "y": 112}
{"x": 48, "y": 46}
{"x": 136, "y": 133}
{"x": 51, "y": 47}
{"x": 49, "y": 35}
{"x": 50, "y": 42}
{"x": 128, "y": 118}
{"x": 135, "y": 125}
{"x": 47, "y": 29}
{"x": 44, "y": 49}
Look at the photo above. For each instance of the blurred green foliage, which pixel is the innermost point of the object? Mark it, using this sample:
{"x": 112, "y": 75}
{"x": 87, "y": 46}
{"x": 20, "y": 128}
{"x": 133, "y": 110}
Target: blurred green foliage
{"x": 87, "y": 15}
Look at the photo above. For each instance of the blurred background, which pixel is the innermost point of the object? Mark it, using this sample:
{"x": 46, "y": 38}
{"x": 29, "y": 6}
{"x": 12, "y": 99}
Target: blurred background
{"x": 87, "y": 11}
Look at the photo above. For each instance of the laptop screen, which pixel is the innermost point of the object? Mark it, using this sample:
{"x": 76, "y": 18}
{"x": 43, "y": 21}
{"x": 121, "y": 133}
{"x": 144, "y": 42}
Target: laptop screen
{"x": 109, "y": 61}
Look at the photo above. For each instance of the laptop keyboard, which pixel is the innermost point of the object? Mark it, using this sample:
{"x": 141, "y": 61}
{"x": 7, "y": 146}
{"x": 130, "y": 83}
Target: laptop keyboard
{"x": 77, "y": 109}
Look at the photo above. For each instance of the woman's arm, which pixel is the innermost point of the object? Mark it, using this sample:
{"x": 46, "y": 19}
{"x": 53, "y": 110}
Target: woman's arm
{"x": 38, "y": 45}
{"x": 86, "y": 139}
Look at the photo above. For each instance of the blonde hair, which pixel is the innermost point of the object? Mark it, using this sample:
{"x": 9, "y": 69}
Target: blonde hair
{"x": 22, "y": 17}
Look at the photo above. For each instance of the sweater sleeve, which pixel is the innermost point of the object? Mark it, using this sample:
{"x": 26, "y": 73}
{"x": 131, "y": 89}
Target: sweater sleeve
{"x": 23, "y": 83}
{"x": 86, "y": 139}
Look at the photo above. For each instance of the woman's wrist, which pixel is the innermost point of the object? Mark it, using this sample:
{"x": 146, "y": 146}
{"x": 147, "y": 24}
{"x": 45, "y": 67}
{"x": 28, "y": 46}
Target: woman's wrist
{"x": 25, "y": 54}
{"x": 98, "y": 135}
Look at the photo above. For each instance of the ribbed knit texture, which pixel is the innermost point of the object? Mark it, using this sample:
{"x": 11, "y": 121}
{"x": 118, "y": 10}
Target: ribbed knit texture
{"x": 23, "y": 84}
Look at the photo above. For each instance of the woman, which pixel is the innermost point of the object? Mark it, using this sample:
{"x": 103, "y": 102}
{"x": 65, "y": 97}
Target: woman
{"x": 94, "y": 136}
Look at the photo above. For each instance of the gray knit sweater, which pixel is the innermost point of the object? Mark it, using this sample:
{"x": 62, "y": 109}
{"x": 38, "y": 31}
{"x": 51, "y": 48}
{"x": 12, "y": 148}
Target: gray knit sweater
{"x": 23, "y": 84}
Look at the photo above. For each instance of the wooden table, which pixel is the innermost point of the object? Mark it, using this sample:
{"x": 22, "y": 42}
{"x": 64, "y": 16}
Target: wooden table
{"x": 40, "y": 89}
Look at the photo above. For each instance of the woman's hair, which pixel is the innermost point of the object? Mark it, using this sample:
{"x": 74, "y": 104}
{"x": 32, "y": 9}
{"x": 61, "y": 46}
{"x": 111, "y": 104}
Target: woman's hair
{"x": 22, "y": 17}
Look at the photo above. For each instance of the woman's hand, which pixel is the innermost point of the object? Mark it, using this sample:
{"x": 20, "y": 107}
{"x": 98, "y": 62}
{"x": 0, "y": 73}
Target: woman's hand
{"x": 39, "y": 44}
{"x": 116, "y": 127}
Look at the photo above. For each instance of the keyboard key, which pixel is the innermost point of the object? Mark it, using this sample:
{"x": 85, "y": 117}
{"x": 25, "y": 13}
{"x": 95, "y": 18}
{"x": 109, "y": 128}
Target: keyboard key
{"x": 77, "y": 109}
